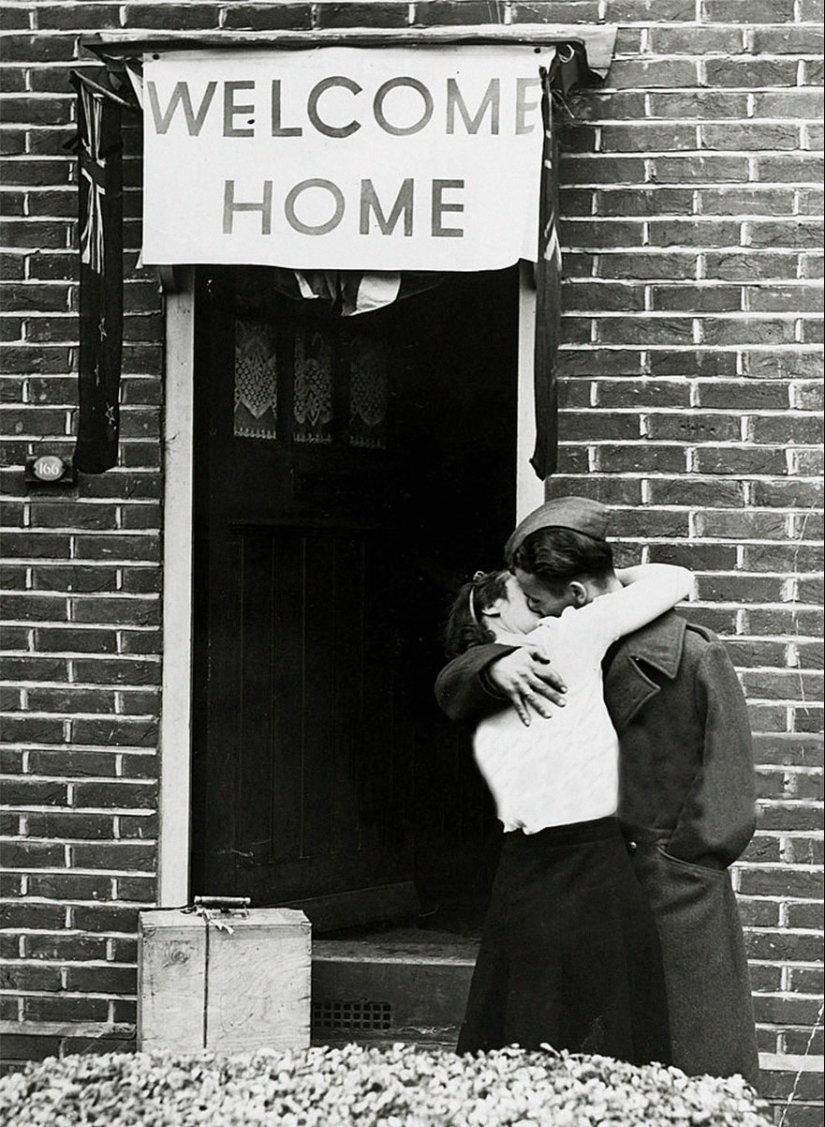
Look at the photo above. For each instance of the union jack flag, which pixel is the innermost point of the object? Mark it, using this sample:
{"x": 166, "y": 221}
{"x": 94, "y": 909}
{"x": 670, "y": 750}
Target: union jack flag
{"x": 100, "y": 238}
{"x": 93, "y": 173}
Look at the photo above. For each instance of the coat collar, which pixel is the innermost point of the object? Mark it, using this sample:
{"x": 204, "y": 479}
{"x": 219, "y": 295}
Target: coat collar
{"x": 628, "y": 686}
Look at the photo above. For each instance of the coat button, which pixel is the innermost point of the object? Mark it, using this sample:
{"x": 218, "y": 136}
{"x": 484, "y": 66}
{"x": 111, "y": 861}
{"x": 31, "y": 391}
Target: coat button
{"x": 632, "y": 846}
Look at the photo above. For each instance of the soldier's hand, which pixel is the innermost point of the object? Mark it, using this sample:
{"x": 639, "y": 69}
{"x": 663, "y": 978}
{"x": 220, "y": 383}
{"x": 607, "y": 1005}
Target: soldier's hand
{"x": 526, "y": 677}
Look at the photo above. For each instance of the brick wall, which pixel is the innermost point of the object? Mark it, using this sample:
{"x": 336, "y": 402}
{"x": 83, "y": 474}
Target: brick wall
{"x": 691, "y": 402}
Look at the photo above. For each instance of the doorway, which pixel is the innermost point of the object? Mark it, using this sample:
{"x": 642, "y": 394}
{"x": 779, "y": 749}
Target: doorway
{"x": 349, "y": 474}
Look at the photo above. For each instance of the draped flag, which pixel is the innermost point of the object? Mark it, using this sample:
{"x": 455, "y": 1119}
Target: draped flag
{"x": 548, "y": 285}
{"x": 101, "y": 272}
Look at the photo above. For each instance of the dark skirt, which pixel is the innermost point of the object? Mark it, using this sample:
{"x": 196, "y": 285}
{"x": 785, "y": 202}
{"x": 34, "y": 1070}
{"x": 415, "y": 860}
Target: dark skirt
{"x": 570, "y": 953}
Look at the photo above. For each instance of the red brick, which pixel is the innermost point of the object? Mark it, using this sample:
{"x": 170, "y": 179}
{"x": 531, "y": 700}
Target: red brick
{"x": 745, "y": 589}
{"x": 711, "y": 169}
{"x": 805, "y": 916}
{"x": 191, "y": 17}
{"x": 72, "y": 640}
{"x": 799, "y": 168}
{"x": 33, "y": 608}
{"x": 119, "y": 1042}
{"x": 144, "y": 580}
{"x": 791, "y": 621}
{"x": 33, "y": 668}
{"x": 142, "y": 890}
{"x": 69, "y": 947}
{"x": 647, "y": 137}
{"x": 757, "y": 200}
{"x": 690, "y": 364}
{"x": 40, "y": 917}
{"x": 742, "y": 460}
{"x": 601, "y": 296}
{"x": 697, "y": 556}
{"x": 33, "y": 792}
{"x": 103, "y": 980}
{"x": 697, "y": 299}
{"x": 24, "y": 1047}
{"x": 758, "y": 913}
{"x": 32, "y": 854}
{"x": 780, "y": 881}
{"x": 802, "y": 1041}
{"x": 600, "y": 233}
{"x": 387, "y": 14}
{"x": 694, "y": 232}
{"x": 85, "y": 827}
{"x": 126, "y": 796}
{"x": 66, "y": 1009}
{"x": 260, "y": 17}
{"x": 692, "y": 427}
{"x": 118, "y": 611}
{"x": 651, "y": 394}
{"x": 754, "y": 12}
{"x": 695, "y": 41}
{"x": 124, "y": 1011}
{"x": 69, "y": 886}
{"x": 657, "y": 73}
{"x": 790, "y": 40}
{"x": 117, "y": 856}
{"x": 114, "y": 732}
{"x": 89, "y": 16}
{"x": 602, "y": 170}
{"x": 136, "y": 766}
{"x": 641, "y": 459}
{"x": 137, "y": 703}
{"x": 138, "y": 828}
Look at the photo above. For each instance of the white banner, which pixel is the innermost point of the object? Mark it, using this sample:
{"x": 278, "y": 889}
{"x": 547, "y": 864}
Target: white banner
{"x": 342, "y": 158}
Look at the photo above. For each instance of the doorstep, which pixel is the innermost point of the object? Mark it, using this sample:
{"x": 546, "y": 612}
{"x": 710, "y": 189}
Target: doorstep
{"x": 405, "y": 986}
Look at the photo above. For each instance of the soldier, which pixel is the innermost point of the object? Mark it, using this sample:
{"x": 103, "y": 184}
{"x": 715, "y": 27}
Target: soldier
{"x": 686, "y": 781}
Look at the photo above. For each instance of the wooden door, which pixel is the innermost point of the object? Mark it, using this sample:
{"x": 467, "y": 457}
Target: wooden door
{"x": 340, "y": 495}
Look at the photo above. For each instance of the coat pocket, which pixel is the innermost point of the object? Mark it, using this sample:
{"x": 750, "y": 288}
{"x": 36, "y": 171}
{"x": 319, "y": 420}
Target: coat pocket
{"x": 689, "y": 866}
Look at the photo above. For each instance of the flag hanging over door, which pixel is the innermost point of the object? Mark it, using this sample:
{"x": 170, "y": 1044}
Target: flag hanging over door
{"x": 100, "y": 225}
{"x": 548, "y": 285}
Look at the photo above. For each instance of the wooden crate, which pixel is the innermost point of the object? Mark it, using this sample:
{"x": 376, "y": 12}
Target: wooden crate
{"x": 229, "y": 981}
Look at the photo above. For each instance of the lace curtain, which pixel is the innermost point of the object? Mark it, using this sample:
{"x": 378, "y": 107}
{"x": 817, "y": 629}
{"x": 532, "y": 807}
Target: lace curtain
{"x": 330, "y": 373}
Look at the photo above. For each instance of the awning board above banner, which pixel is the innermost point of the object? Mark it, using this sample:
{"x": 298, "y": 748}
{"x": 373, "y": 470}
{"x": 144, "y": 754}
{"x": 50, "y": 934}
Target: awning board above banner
{"x": 344, "y": 158}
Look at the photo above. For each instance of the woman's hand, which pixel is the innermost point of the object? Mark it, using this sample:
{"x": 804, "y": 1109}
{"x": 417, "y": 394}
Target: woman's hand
{"x": 526, "y": 677}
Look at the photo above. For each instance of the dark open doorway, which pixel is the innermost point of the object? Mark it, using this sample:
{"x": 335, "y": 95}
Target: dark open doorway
{"x": 350, "y": 473}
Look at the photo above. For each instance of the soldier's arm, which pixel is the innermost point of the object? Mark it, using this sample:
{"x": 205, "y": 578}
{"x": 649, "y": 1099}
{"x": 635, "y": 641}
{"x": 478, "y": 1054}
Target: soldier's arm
{"x": 478, "y": 682}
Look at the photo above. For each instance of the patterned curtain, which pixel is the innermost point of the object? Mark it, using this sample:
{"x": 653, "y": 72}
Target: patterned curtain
{"x": 368, "y": 394}
{"x": 256, "y": 380}
{"x": 313, "y": 387}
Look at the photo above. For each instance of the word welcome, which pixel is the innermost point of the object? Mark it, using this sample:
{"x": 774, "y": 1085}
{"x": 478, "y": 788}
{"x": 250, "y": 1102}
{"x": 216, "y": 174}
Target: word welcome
{"x": 487, "y": 109}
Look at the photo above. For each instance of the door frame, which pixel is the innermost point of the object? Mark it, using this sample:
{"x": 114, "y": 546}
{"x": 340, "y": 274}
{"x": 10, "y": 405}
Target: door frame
{"x": 175, "y": 750}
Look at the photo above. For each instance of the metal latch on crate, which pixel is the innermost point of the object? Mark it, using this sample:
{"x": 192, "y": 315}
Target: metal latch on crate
{"x": 218, "y": 910}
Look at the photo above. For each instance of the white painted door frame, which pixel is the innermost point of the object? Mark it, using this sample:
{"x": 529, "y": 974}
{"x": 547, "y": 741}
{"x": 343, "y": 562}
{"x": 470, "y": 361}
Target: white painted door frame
{"x": 176, "y": 707}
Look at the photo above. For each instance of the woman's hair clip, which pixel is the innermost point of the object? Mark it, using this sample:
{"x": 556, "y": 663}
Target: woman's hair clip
{"x": 477, "y": 578}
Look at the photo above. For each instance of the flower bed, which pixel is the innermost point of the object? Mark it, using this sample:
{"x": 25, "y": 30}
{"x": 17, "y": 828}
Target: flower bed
{"x": 402, "y": 1086}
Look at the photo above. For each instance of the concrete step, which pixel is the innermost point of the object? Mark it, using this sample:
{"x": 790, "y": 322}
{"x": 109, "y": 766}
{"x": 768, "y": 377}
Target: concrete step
{"x": 404, "y": 986}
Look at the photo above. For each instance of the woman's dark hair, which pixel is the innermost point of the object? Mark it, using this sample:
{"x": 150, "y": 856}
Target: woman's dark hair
{"x": 557, "y": 555}
{"x": 465, "y": 626}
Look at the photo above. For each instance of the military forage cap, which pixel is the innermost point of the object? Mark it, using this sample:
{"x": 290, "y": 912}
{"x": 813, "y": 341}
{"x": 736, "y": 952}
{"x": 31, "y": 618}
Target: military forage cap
{"x": 579, "y": 514}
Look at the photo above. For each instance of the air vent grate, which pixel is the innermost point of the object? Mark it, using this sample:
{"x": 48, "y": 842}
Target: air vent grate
{"x": 337, "y": 1015}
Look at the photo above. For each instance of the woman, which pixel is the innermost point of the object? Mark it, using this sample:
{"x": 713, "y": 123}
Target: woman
{"x": 570, "y": 954}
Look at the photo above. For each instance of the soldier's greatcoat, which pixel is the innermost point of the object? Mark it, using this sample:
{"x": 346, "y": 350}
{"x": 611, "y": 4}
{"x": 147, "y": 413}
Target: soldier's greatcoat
{"x": 687, "y": 807}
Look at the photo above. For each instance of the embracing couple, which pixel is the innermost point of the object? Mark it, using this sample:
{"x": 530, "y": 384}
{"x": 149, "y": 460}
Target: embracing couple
{"x": 613, "y": 735}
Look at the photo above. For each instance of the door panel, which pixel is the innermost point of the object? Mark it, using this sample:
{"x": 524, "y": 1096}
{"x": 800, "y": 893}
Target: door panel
{"x": 349, "y": 474}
